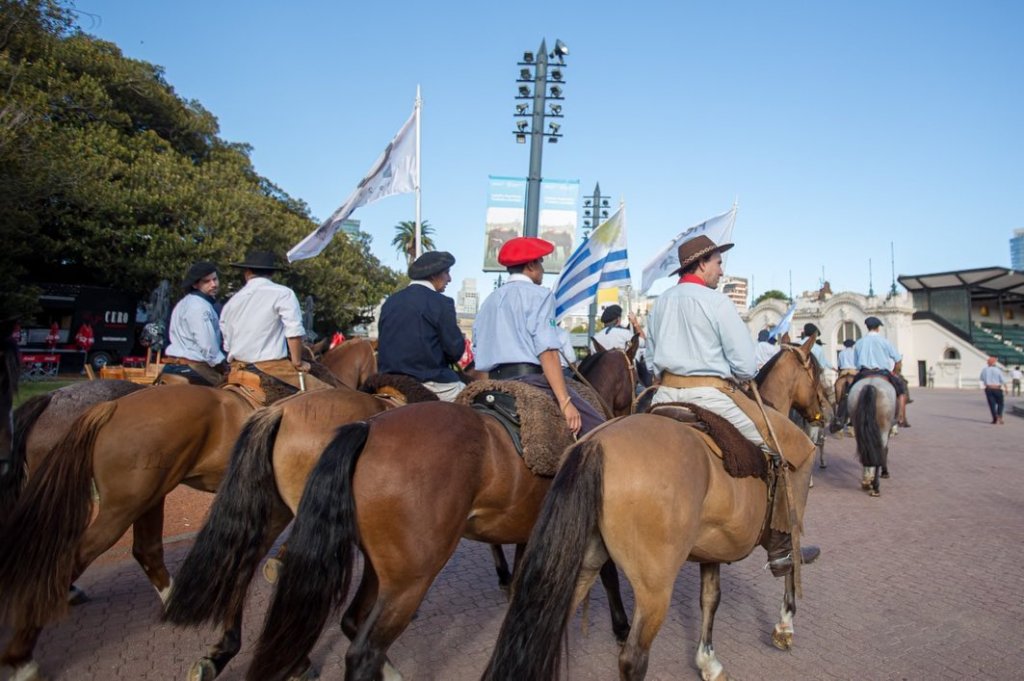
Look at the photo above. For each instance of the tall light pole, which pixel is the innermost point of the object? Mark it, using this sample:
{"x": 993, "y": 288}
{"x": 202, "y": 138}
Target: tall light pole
{"x": 547, "y": 85}
{"x": 595, "y": 211}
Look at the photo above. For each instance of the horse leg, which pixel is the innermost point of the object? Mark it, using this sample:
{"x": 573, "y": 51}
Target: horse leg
{"x": 620, "y": 621}
{"x": 148, "y": 548}
{"x": 359, "y": 610}
{"x": 652, "y": 599}
{"x": 501, "y": 568}
{"x": 875, "y": 482}
{"x": 18, "y": 655}
{"x": 366, "y": 659}
{"x": 782, "y": 635}
{"x": 710, "y": 596}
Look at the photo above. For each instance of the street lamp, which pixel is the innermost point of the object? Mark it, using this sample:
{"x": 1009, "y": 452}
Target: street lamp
{"x": 534, "y": 69}
{"x": 595, "y": 211}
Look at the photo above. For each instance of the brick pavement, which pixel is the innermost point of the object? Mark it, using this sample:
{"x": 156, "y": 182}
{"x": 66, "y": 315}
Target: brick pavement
{"x": 921, "y": 583}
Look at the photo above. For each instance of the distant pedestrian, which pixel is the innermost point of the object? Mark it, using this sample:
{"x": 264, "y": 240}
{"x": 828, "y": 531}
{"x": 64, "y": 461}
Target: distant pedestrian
{"x": 993, "y": 381}
{"x": 931, "y": 377}
{"x": 1015, "y": 377}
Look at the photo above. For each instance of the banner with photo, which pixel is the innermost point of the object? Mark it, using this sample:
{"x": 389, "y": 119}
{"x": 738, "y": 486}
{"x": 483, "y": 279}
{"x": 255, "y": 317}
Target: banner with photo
{"x": 506, "y": 211}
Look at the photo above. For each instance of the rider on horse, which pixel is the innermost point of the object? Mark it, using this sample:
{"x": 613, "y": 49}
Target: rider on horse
{"x": 515, "y": 336}
{"x": 195, "y": 329}
{"x": 418, "y": 332}
{"x": 262, "y": 325}
{"x": 874, "y": 355}
{"x": 847, "y": 371}
{"x": 703, "y": 349}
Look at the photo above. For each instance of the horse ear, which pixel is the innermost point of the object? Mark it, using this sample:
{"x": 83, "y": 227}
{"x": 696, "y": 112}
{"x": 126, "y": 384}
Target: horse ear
{"x": 597, "y": 346}
{"x": 805, "y": 349}
{"x": 633, "y": 346}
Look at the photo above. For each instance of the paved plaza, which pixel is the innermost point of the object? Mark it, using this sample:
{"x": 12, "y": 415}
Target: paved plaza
{"x": 924, "y": 582}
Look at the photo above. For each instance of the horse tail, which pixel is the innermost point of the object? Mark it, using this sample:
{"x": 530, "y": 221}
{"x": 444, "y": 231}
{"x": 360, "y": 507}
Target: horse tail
{"x": 866, "y": 428}
{"x": 213, "y": 580}
{"x": 545, "y": 583}
{"x": 13, "y": 479}
{"x": 318, "y": 568}
{"x": 38, "y": 544}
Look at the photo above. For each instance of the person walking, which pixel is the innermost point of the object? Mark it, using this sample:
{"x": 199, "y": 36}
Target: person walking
{"x": 1015, "y": 377}
{"x": 418, "y": 333}
{"x": 993, "y": 380}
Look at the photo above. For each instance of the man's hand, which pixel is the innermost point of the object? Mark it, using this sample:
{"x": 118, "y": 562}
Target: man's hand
{"x": 636, "y": 324}
{"x": 301, "y": 366}
{"x": 572, "y": 417}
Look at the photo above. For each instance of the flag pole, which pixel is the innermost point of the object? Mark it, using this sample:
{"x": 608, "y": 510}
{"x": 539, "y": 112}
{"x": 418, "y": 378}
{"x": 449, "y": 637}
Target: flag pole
{"x": 419, "y": 236}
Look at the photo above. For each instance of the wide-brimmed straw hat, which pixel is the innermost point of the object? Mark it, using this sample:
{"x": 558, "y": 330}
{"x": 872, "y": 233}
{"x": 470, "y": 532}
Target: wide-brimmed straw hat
{"x": 696, "y": 248}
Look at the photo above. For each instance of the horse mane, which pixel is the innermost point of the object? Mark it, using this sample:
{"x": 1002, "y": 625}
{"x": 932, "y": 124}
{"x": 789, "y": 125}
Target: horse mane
{"x": 770, "y": 364}
{"x": 411, "y": 389}
{"x": 588, "y": 362}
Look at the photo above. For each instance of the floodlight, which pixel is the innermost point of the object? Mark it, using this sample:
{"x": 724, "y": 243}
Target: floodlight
{"x": 524, "y": 74}
{"x": 553, "y": 140}
{"x": 521, "y": 138}
{"x": 556, "y": 92}
{"x": 522, "y": 126}
{"x": 528, "y": 57}
{"x": 561, "y": 48}
{"x": 555, "y": 127}
{"x": 524, "y": 91}
{"x": 556, "y": 109}
{"x": 521, "y": 108}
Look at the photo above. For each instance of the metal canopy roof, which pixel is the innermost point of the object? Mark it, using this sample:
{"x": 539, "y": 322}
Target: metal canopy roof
{"x": 993, "y": 280}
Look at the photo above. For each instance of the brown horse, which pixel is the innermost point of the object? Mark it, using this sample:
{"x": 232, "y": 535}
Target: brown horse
{"x": 43, "y": 421}
{"x": 135, "y": 450}
{"x": 10, "y": 372}
{"x": 371, "y": 488}
{"x": 352, "y": 362}
{"x": 613, "y": 375}
{"x": 647, "y": 492}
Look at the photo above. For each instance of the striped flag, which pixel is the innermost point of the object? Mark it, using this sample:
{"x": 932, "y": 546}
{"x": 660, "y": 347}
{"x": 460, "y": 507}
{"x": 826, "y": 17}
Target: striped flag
{"x": 783, "y": 325}
{"x": 600, "y": 262}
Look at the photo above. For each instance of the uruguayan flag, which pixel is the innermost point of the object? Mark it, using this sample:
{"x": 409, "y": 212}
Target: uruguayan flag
{"x": 783, "y": 325}
{"x": 599, "y": 262}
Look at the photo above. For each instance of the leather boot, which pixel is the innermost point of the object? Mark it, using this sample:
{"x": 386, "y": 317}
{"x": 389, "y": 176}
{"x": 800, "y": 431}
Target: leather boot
{"x": 780, "y": 553}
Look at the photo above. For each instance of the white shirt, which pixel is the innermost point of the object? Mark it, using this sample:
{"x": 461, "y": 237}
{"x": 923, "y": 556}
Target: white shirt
{"x": 1015, "y": 374}
{"x": 195, "y": 332}
{"x": 764, "y": 352}
{"x": 613, "y": 337}
{"x": 258, "y": 320}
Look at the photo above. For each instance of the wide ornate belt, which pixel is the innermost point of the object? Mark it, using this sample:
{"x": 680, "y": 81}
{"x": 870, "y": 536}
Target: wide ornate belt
{"x": 670, "y": 380}
{"x": 513, "y": 369}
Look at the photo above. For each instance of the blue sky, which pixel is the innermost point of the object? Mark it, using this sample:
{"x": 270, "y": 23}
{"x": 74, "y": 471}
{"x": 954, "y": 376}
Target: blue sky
{"x": 839, "y": 126}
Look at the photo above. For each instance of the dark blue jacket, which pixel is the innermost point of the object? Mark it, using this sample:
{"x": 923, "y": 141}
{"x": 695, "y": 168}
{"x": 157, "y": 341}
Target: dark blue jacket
{"x": 419, "y": 336}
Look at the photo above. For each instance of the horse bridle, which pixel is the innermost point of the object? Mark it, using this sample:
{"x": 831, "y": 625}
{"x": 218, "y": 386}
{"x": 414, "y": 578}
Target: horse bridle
{"x": 819, "y": 389}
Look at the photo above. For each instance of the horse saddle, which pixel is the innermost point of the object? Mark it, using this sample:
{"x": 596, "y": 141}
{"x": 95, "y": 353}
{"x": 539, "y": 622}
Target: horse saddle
{"x": 529, "y": 415}
{"x": 740, "y": 457}
{"x": 180, "y": 374}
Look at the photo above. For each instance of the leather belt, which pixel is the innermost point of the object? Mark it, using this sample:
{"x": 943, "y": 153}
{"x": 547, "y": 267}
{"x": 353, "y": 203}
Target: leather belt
{"x": 513, "y": 369}
{"x": 670, "y": 380}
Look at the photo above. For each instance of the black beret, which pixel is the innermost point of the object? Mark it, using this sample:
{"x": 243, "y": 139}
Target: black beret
{"x": 811, "y": 329}
{"x": 430, "y": 263}
{"x": 873, "y": 322}
{"x": 196, "y": 272}
{"x": 611, "y": 313}
{"x": 848, "y": 343}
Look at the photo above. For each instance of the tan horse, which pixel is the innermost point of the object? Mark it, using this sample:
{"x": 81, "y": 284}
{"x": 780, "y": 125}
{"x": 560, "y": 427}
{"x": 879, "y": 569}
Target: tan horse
{"x": 404, "y": 487}
{"x": 352, "y": 362}
{"x": 135, "y": 450}
{"x": 646, "y": 491}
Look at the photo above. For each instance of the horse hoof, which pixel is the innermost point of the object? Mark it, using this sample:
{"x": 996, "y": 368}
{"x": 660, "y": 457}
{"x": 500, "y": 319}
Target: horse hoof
{"x": 783, "y": 640}
{"x": 874, "y": 493}
{"x": 865, "y": 484}
{"x": 27, "y": 672}
{"x": 821, "y": 465}
{"x": 202, "y": 670}
{"x": 76, "y": 596}
{"x": 272, "y": 570}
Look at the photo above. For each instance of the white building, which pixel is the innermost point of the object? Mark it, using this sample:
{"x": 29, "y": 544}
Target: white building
{"x": 467, "y": 299}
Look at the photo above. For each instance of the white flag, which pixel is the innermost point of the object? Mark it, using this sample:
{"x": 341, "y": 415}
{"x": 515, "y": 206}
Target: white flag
{"x": 599, "y": 262}
{"x": 783, "y": 325}
{"x": 397, "y": 171}
{"x": 718, "y": 229}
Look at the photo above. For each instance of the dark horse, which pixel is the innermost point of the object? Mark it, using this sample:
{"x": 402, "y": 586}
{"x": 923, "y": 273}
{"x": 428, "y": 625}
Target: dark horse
{"x": 612, "y": 374}
{"x": 403, "y": 487}
{"x": 135, "y": 450}
{"x": 10, "y": 371}
{"x": 647, "y": 492}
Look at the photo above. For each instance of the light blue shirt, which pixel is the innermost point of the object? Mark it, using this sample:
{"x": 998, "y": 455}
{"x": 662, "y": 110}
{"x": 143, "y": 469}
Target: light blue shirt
{"x": 874, "y": 351}
{"x": 515, "y": 324}
{"x": 194, "y": 331}
{"x": 696, "y": 331}
{"x": 819, "y": 354}
{"x": 992, "y": 376}
{"x": 847, "y": 359}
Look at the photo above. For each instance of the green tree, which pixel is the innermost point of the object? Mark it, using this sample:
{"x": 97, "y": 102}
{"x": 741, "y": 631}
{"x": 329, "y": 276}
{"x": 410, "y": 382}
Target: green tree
{"x": 771, "y": 294}
{"x": 405, "y": 239}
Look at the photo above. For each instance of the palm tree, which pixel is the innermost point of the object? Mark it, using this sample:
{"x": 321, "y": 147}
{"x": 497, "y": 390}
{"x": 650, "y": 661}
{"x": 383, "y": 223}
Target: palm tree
{"x": 405, "y": 239}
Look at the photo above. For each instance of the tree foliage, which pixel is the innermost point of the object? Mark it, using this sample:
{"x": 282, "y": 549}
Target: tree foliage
{"x": 108, "y": 177}
{"x": 771, "y": 294}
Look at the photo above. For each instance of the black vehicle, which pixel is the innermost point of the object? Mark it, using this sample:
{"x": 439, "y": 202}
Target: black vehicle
{"x": 110, "y": 314}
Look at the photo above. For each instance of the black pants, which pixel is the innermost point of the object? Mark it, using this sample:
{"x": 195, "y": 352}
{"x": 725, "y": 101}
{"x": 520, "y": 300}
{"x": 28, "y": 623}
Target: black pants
{"x": 995, "y": 402}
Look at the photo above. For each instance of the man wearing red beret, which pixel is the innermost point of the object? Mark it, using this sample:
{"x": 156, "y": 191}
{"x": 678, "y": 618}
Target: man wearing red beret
{"x": 515, "y": 335}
